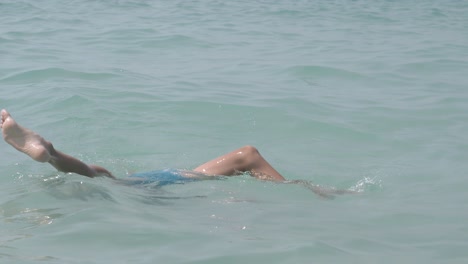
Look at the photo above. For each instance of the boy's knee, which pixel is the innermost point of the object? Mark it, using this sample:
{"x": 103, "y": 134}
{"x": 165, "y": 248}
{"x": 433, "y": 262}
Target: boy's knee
{"x": 249, "y": 150}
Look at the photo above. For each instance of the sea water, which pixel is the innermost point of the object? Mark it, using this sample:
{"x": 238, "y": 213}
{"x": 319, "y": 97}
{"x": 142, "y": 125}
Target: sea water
{"x": 369, "y": 96}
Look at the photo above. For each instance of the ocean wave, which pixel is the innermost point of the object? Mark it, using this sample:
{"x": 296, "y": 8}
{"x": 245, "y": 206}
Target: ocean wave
{"x": 176, "y": 40}
{"x": 55, "y": 73}
{"x": 313, "y": 71}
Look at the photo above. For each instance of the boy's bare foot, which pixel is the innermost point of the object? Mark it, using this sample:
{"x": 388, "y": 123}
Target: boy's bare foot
{"x": 23, "y": 139}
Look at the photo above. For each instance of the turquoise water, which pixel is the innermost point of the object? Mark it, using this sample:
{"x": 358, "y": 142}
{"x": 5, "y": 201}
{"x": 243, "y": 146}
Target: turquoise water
{"x": 363, "y": 95}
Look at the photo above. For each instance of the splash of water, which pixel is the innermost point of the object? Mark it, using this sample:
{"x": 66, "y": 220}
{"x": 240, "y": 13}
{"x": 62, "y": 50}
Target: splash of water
{"x": 367, "y": 184}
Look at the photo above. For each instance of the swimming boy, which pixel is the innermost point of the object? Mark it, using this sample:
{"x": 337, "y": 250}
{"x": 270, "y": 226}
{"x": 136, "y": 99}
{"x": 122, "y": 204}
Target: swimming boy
{"x": 246, "y": 159}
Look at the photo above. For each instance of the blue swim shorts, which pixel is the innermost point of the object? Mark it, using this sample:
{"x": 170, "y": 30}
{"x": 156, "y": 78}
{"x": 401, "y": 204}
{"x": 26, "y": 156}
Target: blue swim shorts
{"x": 163, "y": 177}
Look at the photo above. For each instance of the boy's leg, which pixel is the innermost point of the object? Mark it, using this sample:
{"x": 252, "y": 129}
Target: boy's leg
{"x": 35, "y": 146}
{"x": 245, "y": 159}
